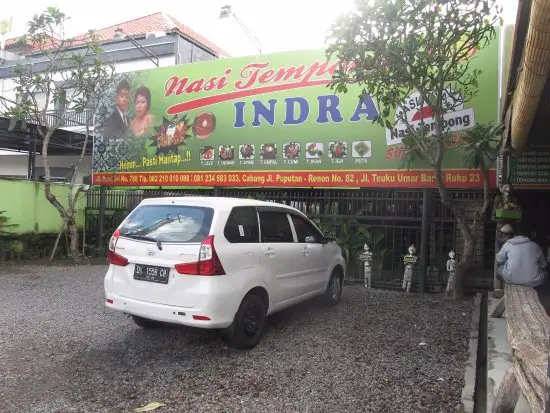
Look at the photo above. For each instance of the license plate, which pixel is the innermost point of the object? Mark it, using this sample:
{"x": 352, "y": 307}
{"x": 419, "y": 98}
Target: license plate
{"x": 153, "y": 274}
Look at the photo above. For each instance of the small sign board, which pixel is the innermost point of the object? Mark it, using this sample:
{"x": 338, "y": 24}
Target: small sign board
{"x": 531, "y": 168}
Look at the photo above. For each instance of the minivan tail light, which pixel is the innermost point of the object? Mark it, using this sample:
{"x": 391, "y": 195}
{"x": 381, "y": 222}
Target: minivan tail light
{"x": 113, "y": 240}
{"x": 208, "y": 263}
{"x": 117, "y": 259}
{"x": 112, "y": 256}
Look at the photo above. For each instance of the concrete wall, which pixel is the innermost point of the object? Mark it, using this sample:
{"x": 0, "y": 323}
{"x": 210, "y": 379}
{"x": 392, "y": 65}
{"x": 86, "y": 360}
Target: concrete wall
{"x": 16, "y": 165}
{"x": 142, "y": 64}
{"x": 7, "y": 85}
{"x": 26, "y": 205}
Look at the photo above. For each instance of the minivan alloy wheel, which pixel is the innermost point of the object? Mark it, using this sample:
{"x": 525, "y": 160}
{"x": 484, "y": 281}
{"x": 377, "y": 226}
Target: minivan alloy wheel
{"x": 251, "y": 319}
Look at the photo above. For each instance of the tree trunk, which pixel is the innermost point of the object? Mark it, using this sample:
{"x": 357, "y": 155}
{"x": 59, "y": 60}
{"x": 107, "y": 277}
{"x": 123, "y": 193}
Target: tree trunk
{"x": 73, "y": 236}
{"x": 464, "y": 264}
{"x": 52, "y": 199}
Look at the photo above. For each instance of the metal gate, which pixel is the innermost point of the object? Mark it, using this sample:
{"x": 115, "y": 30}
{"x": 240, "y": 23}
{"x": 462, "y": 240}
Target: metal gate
{"x": 395, "y": 215}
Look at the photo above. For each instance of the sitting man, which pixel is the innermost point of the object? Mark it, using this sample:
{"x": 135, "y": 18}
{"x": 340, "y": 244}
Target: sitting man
{"x": 521, "y": 260}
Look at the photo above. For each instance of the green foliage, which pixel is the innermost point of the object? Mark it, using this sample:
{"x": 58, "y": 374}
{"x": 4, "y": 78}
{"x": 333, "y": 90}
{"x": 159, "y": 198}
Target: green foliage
{"x": 16, "y": 247}
{"x": 352, "y": 237}
{"x": 5, "y": 226}
{"x": 374, "y": 238}
{"x": 393, "y": 48}
{"x": 482, "y": 144}
{"x": 28, "y": 247}
{"x": 5, "y": 231}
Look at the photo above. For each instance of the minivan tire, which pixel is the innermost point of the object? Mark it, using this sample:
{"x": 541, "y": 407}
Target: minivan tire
{"x": 334, "y": 289}
{"x": 146, "y": 323}
{"x": 249, "y": 323}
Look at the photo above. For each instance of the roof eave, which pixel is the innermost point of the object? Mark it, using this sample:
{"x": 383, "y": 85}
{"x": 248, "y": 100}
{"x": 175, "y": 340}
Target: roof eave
{"x": 218, "y": 53}
{"x": 520, "y": 34}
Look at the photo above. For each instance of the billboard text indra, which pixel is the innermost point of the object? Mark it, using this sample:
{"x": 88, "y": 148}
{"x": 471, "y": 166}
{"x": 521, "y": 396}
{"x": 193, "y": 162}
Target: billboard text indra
{"x": 268, "y": 121}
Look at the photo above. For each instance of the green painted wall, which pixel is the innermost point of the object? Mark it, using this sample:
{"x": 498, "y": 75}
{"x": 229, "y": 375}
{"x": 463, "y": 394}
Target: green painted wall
{"x": 26, "y": 205}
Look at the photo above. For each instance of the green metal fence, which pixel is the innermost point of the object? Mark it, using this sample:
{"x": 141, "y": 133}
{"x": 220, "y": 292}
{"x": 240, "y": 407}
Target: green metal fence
{"x": 395, "y": 215}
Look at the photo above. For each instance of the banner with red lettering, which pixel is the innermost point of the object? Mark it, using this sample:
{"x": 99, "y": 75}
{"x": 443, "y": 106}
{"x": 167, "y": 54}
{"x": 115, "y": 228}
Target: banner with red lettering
{"x": 269, "y": 121}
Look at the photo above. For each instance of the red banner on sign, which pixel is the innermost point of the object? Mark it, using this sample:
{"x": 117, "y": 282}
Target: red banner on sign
{"x": 459, "y": 178}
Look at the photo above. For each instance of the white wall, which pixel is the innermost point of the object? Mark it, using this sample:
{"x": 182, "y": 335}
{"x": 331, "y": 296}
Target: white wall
{"x": 12, "y": 164}
{"x": 142, "y": 64}
{"x": 7, "y": 86}
{"x": 7, "y": 90}
{"x": 17, "y": 164}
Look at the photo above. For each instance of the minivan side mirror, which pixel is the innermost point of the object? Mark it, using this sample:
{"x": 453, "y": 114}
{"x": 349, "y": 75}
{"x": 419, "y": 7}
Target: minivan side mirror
{"x": 310, "y": 239}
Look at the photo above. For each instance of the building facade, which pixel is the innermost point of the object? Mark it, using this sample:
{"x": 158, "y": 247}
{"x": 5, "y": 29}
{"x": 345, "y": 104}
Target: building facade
{"x": 157, "y": 40}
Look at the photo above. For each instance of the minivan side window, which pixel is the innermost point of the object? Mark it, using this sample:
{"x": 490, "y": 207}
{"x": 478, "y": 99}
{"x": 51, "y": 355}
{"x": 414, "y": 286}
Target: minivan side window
{"x": 242, "y": 226}
{"x": 275, "y": 227}
{"x": 305, "y": 231}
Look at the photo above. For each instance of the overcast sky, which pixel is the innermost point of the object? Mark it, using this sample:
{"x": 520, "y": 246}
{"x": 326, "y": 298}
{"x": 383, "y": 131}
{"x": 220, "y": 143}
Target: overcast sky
{"x": 279, "y": 25}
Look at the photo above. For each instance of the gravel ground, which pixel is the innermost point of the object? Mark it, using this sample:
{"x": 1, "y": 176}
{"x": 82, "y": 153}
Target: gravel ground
{"x": 62, "y": 351}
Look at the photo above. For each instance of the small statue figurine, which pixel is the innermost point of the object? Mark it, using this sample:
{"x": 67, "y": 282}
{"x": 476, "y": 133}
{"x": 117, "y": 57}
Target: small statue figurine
{"x": 409, "y": 260}
{"x": 366, "y": 257}
{"x": 509, "y": 201}
{"x": 505, "y": 200}
{"x": 451, "y": 272}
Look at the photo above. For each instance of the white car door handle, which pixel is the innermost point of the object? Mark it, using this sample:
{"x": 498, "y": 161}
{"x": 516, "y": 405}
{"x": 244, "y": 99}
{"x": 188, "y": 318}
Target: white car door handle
{"x": 269, "y": 252}
{"x": 307, "y": 250}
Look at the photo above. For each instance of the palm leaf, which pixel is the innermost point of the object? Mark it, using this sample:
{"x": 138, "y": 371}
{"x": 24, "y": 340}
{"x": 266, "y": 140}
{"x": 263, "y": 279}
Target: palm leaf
{"x": 481, "y": 145}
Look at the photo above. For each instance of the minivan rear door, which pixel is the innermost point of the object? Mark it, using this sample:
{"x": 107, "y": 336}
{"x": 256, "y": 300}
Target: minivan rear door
{"x": 154, "y": 239}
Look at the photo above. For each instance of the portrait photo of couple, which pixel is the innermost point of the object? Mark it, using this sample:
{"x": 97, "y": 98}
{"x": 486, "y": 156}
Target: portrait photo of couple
{"x": 120, "y": 123}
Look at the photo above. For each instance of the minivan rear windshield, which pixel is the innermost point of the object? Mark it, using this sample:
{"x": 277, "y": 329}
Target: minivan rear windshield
{"x": 169, "y": 223}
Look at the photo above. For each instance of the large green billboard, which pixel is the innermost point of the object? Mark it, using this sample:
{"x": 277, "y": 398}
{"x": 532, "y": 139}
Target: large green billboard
{"x": 268, "y": 120}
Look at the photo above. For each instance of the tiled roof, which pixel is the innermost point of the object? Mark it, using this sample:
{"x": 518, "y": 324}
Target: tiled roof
{"x": 13, "y": 41}
{"x": 158, "y": 22}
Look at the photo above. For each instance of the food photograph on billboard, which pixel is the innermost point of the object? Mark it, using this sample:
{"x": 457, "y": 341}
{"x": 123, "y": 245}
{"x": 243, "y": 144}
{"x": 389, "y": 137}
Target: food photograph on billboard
{"x": 271, "y": 121}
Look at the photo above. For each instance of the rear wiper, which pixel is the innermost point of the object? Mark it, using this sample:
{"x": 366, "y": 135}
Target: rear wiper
{"x": 144, "y": 238}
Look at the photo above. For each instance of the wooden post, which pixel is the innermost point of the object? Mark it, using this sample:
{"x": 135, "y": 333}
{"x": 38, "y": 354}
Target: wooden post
{"x": 528, "y": 327}
{"x": 498, "y": 286}
{"x": 498, "y": 291}
{"x": 101, "y": 223}
{"x": 84, "y": 237}
{"x": 547, "y": 397}
{"x": 31, "y": 173}
{"x": 508, "y": 394}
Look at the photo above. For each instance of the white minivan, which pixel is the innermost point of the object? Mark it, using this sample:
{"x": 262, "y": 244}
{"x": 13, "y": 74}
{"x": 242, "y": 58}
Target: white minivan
{"x": 218, "y": 263}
